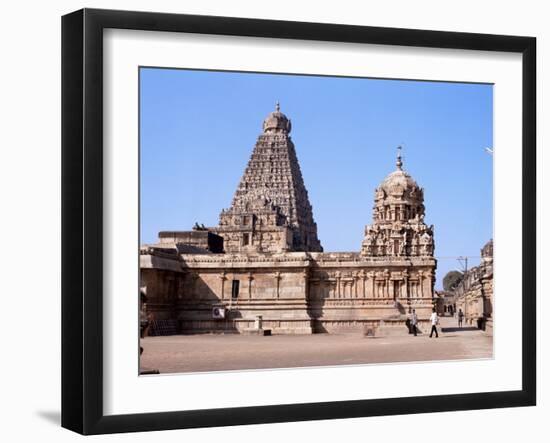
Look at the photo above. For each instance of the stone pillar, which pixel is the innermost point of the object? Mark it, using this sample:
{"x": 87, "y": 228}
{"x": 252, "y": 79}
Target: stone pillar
{"x": 305, "y": 275}
{"x": 181, "y": 284}
{"x": 194, "y": 291}
{"x": 223, "y": 278}
{"x": 429, "y": 283}
{"x": 387, "y": 284}
{"x": 250, "y": 278}
{"x": 404, "y": 287}
{"x": 372, "y": 276}
{"x": 278, "y": 281}
{"x": 398, "y": 292}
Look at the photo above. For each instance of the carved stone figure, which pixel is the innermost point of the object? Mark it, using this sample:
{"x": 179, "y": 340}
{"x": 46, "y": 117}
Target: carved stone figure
{"x": 389, "y": 248}
{"x": 403, "y": 244}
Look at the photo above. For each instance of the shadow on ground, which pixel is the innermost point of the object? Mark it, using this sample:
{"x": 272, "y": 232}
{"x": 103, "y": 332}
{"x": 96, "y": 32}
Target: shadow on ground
{"x": 53, "y": 417}
{"x": 456, "y": 329}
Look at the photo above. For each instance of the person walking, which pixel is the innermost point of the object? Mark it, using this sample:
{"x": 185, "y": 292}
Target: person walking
{"x": 414, "y": 322}
{"x": 460, "y": 318}
{"x": 435, "y": 321}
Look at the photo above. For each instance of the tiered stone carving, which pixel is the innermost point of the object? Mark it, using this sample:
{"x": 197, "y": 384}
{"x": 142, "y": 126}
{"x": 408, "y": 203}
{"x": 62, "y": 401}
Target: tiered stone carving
{"x": 398, "y": 228}
{"x": 270, "y": 211}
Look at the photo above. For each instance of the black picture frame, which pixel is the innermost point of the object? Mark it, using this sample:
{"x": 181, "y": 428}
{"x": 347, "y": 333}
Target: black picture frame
{"x": 82, "y": 218}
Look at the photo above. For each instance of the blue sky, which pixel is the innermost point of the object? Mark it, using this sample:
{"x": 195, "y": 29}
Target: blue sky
{"x": 198, "y": 129}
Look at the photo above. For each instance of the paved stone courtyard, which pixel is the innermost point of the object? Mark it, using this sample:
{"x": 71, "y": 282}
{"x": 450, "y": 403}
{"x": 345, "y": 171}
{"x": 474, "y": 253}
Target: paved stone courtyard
{"x": 209, "y": 352}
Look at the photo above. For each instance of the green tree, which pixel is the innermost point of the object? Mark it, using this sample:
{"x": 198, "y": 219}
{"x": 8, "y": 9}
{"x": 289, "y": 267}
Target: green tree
{"x": 452, "y": 279}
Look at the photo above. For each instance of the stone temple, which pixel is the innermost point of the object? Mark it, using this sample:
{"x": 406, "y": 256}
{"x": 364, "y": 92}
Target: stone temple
{"x": 264, "y": 260}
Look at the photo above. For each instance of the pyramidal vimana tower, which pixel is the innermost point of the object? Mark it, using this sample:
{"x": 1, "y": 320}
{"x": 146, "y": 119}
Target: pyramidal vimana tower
{"x": 271, "y": 210}
{"x": 264, "y": 264}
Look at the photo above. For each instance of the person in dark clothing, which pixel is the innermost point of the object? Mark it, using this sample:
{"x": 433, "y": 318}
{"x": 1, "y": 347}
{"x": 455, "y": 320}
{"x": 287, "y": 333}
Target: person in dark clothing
{"x": 414, "y": 322}
{"x": 460, "y": 317}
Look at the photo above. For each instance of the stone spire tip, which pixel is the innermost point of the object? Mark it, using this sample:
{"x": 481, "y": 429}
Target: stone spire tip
{"x": 277, "y": 106}
{"x": 399, "y": 162}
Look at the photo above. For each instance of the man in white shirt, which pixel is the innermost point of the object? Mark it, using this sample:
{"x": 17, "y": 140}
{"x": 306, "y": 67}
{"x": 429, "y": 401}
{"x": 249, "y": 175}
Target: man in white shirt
{"x": 435, "y": 320}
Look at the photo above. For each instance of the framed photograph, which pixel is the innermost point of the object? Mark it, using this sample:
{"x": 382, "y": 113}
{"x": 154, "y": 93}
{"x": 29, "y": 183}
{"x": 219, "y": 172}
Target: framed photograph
{"x": 268, "y": 221}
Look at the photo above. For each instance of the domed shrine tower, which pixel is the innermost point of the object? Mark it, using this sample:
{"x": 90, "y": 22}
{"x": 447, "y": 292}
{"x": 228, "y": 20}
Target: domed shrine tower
{"x": 270, "y": 211}
{"x": 398, "y": 228}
